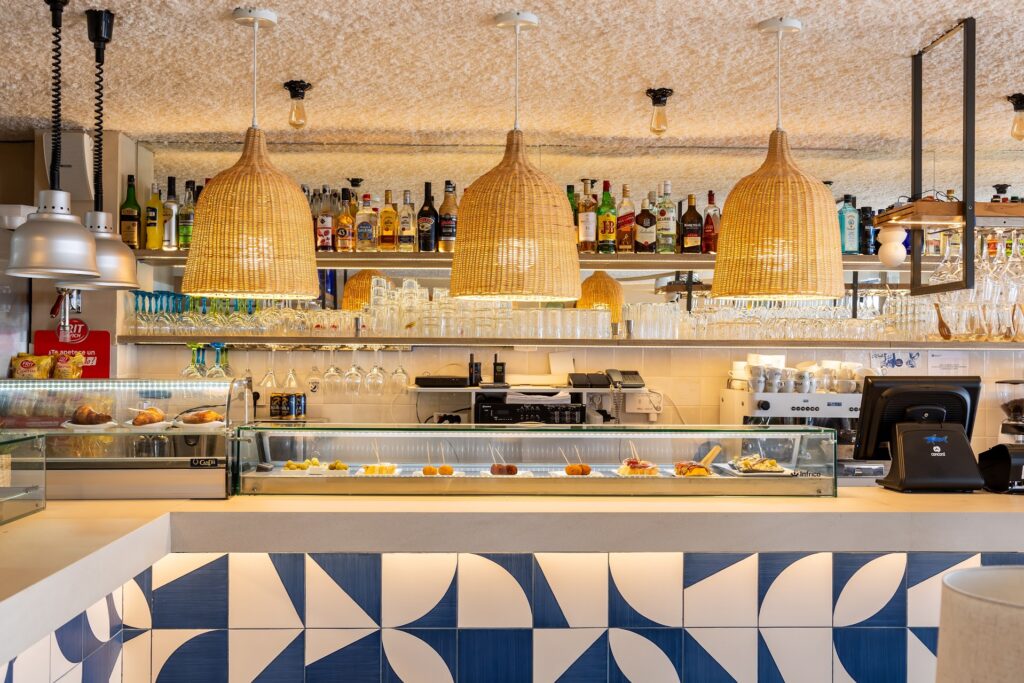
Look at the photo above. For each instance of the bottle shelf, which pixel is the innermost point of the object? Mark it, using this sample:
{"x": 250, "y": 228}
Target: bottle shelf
{"x": 437, "y": 261}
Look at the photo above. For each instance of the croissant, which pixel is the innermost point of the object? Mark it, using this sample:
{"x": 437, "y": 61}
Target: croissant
{"x": 148, "y": 416}
{"x": 201, "y": 417}
{"x": 85, "y": 415}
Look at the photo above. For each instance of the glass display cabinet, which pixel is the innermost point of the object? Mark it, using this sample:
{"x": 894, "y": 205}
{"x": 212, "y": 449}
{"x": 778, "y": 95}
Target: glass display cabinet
{"x": 536, "y": 460}
{"x": 22, "y": 475}
{"x": 128, "y": 438}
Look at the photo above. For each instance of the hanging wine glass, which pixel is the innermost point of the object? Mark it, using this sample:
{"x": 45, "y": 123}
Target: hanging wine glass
{"x": 332, "y": 379}
{"x": 217, "y": 371}
{"x": 269, "y": 380}
{"x": 291, "y": 381}
{"x": 314, "y": 380}
{"x": 399, "y": 378}
{"x": 192, "y": 370}
{"x": 353, "y": 377}
{"x": 375, "y": 378}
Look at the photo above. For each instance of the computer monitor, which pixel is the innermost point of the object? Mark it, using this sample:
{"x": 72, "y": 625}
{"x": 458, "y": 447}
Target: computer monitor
{"x": 888, "y": 401}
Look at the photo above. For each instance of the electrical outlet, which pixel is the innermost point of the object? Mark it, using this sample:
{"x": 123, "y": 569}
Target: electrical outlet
{"x": 641, "y": 402}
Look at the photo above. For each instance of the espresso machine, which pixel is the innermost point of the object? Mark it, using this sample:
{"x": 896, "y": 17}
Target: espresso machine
{"x": 1002, "y": 466}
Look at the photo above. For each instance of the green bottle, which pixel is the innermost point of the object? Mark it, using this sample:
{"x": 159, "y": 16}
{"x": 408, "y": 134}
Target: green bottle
{"x": 130, "y": 216}
{"x": 607, "y": 221}
{"x": 570, "y": 192}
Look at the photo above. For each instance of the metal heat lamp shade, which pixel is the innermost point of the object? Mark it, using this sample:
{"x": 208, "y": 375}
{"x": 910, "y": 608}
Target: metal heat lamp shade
{"x": 115, "y": 260}
{"x": 52, "y": 243}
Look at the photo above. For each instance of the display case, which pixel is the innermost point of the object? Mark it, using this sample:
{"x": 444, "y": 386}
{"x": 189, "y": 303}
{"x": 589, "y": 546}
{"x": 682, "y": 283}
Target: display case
{"x": 536, "y": 460}
{"x": 22, "y": 475}
{"x": 130, "y": 438}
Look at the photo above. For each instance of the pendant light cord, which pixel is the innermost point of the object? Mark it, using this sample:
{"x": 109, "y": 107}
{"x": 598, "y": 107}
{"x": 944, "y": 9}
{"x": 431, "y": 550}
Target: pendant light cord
{"x": 516, "y": 126}
{"x": 255, "y": 34}
{"x": 56, "y": 11}
{"x": 778, "y": 81}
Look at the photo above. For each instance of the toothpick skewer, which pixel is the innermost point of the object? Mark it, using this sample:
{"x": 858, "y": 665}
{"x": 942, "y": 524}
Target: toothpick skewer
{"x": 428, "y": 452}
{"x": 577, "y": 449}
{"x": 632, "y": 448}
{"x": 376, "y": 451}
{"x": 563, "y": 455}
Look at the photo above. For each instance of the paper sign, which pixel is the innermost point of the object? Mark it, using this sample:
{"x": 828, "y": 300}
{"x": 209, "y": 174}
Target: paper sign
{"x": 948, "y": 363}
{"x": 897, "y": 362}
{"x": 93, "y": 344}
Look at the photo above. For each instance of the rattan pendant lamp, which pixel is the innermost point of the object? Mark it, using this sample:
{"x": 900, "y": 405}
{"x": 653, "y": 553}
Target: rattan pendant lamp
{"x": 516, "y": 239}
{"x": 252, "y": 236}
{"x": 780, "y": 232}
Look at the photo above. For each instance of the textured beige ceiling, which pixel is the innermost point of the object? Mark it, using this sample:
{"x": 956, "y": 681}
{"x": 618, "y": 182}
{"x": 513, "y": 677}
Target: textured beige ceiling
{"x": 437, "y": 73}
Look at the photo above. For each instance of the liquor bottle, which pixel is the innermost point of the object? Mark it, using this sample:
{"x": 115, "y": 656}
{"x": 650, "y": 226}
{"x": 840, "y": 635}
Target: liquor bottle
{"x": 587, "y": 231}
{"x": 570, "y": 192}
{"x": 868, "y": 232}
{"x": 448, "y": 219}
{"x": 646, "y": 229}
{"x": 344, "y": 226}
{"x": 849, "y": 226}
{"x": 691, "y": 226}
{"x": 187, "y": 216}
{"x": 171, "y": 217}
{"x": 666, "y": 220}
{"x": 324, "y": 231}
{"x": 407, "y": 223}
{"x": 155, "y": 220}
{"x": 426, "y": 222}
{"x": 366, "y": 226}
{"x": 607, "y": 221}
{"x": 199, "y": 191}
{"x": 388, "y": 224}
{"x": 130, "y": 216}
{"x": 625, "y": 231}
{"x": 712, "y": 222}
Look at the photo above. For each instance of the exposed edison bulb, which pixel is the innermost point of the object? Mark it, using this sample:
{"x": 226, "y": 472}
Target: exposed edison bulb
{"x": 659, "y": 120}
{"x": 297, "y": 114}
{"x": 1017, "y": 130}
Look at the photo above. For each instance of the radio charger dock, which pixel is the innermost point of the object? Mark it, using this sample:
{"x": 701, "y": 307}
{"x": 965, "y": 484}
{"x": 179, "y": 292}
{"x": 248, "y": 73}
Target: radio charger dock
{"x": 931, "y": 457}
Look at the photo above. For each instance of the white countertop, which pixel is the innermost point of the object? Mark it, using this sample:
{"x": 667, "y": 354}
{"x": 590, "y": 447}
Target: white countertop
{"x": 55, "y": 563}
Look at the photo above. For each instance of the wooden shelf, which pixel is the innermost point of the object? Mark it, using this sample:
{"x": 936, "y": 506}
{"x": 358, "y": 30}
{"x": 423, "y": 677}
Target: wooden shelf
{"x": 428, "y": 261}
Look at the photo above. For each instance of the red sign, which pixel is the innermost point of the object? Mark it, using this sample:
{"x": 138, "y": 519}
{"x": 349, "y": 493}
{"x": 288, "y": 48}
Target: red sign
{"x": 93, "y": 344}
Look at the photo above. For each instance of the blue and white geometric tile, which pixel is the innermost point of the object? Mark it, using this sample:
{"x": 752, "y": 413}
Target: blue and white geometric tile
{"x": 32, "y": 665}
{"x": 1001, "y": 559}
{"x": 342, "y": 655}
{"x": 922, "y": 648}
{"x": 720, "y": 655}
{"x": 266, "y": 590}
{"x": 137, "y": 599}
{"x": 924, "y": 583}
{"x": 570, "y": 590}
{"x": 795, "y": 589}
{"x": 105, "y": 664}
{"x": 495, "y": 655}
{"x": 265, "y": 655}
{"x": 136, "y": 656}
{"x": 190, "y": 591}
{"x": 794, "y": 655}
{"x": 870, "y": 589}
{"x": 426, "y": 655}
{"x": 190, "y": 655}
{"x": 720, "y": 589}
{"x": 646, "y": 590}
{"x": 652, "y": 655}
{"x": 342, "y": 590}
{"x": 102, "y": 622}
{"x": 418, "y": 590}
{"x": 495, "y": 591}
{"x": 869, "y": 655}
{"x": 66, "y": 647}
{"x": 570, "y": 655}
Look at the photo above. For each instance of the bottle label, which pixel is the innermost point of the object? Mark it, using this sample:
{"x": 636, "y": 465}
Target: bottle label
{"x": 851, "y": 243}
{"x": 364, "y": 231}
{"x": 588, "y": 227}
{"x": 406, "y": 231}
{"x": 446, "y": 227}
{"x": 185, "y": 231}
{"x": 324, "y": 230}
{"x": 606, "y": 225}
{"x": 666, "y": 222}
{"x": 343, "y": 236}
{"x": 426, "y": 226}
{"x": 691, "y": 240}
{"x": 129, "y": 227}
{"x": 646, "y": 235}
{"x": 387, "y": 225}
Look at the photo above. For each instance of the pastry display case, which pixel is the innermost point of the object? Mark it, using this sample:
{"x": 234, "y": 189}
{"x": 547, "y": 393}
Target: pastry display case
{"x": 536, "y": 460}
{"x": 130, "y": 438}
{"x": 22, "y": 475}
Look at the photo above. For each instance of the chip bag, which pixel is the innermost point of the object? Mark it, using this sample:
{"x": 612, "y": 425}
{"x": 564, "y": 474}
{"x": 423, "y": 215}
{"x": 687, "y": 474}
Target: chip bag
{"x": 25, "y": 366}
{"x": 68, "y": 365}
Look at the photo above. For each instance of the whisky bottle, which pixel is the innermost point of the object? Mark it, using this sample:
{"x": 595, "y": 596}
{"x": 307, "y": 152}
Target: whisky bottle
{"x": 407, "y": 224}
{"x": 426, "y": 221}
{"x": 666, "y": 220}
{"x": 587, "y": 236}
{"x": 344, "y": 225}
{"x": 170, "y": 215}
{"x": 155, "y": 220}
{"x": 646, "y": 229}
{"x": 712, "y": 221}
{"x": 448, "y": 219}
{"x": 607, "y": 221}
{"x": 366, "y": 227}
{"x": 691, "y": 227}
{"x": 625, "y": 231}
{"x": 129, "y": 216}
{"x": 388, "y": 224}
{"x": 186, "y": 216}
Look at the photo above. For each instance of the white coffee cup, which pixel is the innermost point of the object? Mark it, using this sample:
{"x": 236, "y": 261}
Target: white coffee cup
{"x": 788, "y": 386}
{"x": 755, "y": 371}
{"x": 846, "y": 386}
{"x": 757, "y": 384}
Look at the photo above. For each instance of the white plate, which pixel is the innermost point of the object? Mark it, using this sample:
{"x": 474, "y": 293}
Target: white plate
{"x": 89, "y": 428}
{"x": 739, "y": 473}
{"x": 521, "y": 473}
{"x": 204, "y": 427}
{"x": 151, "y": 427}
{"x": 661, "y": 473}
{"x": 563, "y": 475}
{"x": 362, "y": 473}
{"x": 456, "y": 473}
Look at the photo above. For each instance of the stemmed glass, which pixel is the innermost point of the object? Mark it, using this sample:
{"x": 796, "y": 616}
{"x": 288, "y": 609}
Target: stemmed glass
{"x": 314, "y": 380}
{"x": 375, "y": 378}
{"x": 399, "y": 378}
{"x": 202, "y": 359}
{"x": 269, "y": 380}
{"x": 332, "y": 379}
{"x": 353, "y": 378}
{"x": 217, "y": 371}
{"x": 193, "y": 371}
{"x": 292, "y": 379}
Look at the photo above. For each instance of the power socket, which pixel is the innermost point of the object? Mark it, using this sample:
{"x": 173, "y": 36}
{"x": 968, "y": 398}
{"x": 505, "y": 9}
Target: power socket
{"x": 642, "y": 402}
{"x": 447, "y": 418}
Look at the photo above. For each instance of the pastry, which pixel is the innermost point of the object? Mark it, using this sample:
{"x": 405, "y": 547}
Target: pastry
{"x": 338, "y": 466}
{"x": 446, "y": 470}
{"x": 379, "y": 468}
{"x": 504, "y": 469}
{"x": 148, "y": 416}
{"x": 577, "y": 469}
{"x": 201, "y": 417}
{"x": 692, "y": 469}
{"x": 635, "y": 467}
{"x": 85, "y": 415}
{"x": 753, "y": 463}
{"x": 429, "y": 471}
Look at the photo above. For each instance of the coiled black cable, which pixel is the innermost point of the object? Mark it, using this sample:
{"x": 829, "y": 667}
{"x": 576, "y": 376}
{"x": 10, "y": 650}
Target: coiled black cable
{"x": 55, "y": 107}
{"x": 97, "y": 154}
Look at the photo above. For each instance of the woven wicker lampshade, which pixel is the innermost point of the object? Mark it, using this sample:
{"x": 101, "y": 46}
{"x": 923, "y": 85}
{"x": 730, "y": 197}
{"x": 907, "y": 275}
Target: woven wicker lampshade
{"x": 779, "y": 237}
{"x": 516, "y": 237}
{"x": 252, "y": 234}
{"x": 356, "y": 294}
{"x": 601, "y": 289}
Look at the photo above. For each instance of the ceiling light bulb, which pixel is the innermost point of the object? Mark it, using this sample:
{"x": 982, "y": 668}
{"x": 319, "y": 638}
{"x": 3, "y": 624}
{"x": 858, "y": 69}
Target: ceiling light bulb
{"x": 1017, "y": 129}
{"x": 659, "y": 118}
{"x": 297, "y": 115}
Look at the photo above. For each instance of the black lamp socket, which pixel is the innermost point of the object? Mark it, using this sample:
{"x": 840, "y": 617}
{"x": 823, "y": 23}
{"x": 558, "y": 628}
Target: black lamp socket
{"x": 56, "y": 11}
{"x": 659, "y": 96}
{"x": 101, "y": 29}
{"x": 297, "y": 89}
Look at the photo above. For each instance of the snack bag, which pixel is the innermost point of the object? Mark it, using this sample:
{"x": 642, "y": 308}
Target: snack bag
{"x": 68, "y": 365}
{"x": 25, "y": 366}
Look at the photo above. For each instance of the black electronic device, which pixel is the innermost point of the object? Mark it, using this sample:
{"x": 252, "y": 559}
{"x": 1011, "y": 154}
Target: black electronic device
{"x": 924, "y": 425}
{"x": 625, "y": 379}
{"x": 598, "y": 380}
{"x": 441, "y": 382}
{"x": 498, "y": 374}
{"x": 498, "y": 412}
{"x": 579, "y": 379}
{"x": 1002, "y": 468}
